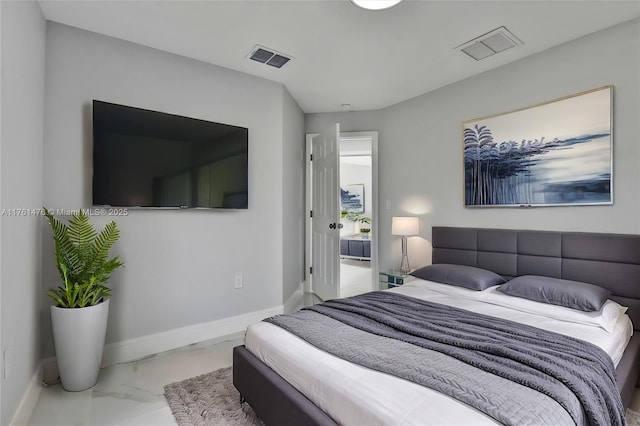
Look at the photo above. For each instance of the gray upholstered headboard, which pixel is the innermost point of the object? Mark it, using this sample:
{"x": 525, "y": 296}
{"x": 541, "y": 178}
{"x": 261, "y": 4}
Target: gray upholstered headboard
{"x": 611, "y": 261}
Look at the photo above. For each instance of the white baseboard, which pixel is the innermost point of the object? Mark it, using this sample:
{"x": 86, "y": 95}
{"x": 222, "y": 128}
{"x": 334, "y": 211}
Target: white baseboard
{"x": 141, "y": 347}
{"x": 295, "y": 302}
{"x": 133, "y": 349}
{"x": 29, "y": 400}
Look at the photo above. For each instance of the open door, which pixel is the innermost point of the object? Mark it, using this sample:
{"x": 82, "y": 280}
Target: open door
{"x": 325, "y": 251}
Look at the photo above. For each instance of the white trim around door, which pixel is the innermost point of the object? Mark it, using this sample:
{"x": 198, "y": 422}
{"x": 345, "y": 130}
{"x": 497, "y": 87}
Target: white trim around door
{"x": 375, "y": 211}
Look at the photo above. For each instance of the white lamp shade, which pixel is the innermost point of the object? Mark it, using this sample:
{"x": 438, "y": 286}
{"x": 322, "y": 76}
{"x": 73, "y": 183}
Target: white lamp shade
{"x": 404, "y": 225}
{"x": 375, "y": 4}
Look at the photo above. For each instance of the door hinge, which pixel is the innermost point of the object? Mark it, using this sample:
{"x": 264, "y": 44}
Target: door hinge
{"x": 311, "y": 270}
{"x": 310, "y": 213}
{"x": 311, "y": 157}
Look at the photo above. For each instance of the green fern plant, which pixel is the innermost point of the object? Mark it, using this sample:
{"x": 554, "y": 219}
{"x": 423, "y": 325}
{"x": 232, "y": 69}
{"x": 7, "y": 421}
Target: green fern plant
{"x": 82, "y": 258}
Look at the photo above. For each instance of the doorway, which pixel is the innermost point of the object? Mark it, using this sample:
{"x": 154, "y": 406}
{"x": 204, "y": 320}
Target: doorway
{"x": 357, "y": 213}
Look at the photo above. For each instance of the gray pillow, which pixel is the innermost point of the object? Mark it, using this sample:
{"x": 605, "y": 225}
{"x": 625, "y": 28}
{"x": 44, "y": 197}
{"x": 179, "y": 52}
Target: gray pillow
{"x": 554, "y": 291}
{"x": 459, "y": 275}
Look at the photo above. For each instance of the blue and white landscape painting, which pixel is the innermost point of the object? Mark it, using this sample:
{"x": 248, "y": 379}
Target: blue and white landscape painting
{"x": 554, "y": 154}
{"x": 352, "y": 198}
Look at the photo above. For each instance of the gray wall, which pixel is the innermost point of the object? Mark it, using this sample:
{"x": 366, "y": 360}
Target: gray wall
{"x": 420, "y": 142}
{"x": 179, "y": 265}
{"x": 293, "y": 195}
{"x": 22, "y": 88}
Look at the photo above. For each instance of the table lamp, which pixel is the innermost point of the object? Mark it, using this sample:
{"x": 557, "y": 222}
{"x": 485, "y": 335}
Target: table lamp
{"x": 404, "y": 226}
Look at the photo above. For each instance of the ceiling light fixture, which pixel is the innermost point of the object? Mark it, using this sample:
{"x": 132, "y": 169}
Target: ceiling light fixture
{"x": 375, "y": 4}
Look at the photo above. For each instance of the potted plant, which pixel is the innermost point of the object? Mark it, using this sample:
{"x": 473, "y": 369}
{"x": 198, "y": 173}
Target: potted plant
{"x": 352, "y": 216}
{"x": 79, "y": 316}
{"x": 365, "y": 228}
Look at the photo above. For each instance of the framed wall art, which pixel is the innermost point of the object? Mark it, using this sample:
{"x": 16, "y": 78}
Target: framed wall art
{"x": 553, "y": 154}
{"x": 352, "y": 198}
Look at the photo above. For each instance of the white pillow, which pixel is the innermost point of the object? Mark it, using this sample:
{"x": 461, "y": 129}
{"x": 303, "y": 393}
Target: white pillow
{"x": 605, "y": 318}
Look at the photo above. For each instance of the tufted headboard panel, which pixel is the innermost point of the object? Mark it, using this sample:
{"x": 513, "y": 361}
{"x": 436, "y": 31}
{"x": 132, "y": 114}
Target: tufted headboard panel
{"x": 611, "y": 261}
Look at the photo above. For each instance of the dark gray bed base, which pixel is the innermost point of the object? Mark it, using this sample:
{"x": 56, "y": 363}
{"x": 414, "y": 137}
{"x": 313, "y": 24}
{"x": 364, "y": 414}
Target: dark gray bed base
{"x": 609, "y": 260}
{"x": 273, "y": 399}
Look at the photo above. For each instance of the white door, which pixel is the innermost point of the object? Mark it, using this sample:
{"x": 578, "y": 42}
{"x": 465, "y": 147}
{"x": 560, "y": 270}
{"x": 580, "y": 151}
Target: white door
{"x": 325, "y": 252}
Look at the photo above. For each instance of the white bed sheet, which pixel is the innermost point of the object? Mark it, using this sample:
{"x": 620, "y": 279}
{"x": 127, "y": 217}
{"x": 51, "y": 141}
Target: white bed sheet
{"x": 355, "y": 395}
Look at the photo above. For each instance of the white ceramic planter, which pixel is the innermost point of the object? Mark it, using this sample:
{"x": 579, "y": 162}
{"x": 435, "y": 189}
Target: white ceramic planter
{"x": 79, "y": 335}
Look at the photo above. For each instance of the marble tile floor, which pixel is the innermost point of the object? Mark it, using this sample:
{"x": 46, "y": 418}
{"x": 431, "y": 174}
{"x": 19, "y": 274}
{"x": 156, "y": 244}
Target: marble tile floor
{"x": 131, "y": 393}
{"x": 355, "y": 277}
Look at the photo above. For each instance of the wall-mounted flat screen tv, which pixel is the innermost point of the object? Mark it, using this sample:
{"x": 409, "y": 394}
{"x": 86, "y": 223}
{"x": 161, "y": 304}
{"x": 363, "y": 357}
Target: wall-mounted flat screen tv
{"x": 145, "y": 158}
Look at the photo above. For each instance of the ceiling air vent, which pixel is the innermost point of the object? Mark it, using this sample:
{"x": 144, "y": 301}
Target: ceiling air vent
{"x": 268, "y": 56}
{"x": 489, "y": 44}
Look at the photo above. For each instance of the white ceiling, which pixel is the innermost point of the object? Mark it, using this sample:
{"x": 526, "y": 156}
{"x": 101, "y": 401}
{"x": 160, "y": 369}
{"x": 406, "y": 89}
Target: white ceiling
{"x": 343, "y": 54}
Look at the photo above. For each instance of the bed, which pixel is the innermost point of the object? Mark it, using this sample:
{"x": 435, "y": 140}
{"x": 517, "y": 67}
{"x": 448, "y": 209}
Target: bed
{"x": 269, "y": 381}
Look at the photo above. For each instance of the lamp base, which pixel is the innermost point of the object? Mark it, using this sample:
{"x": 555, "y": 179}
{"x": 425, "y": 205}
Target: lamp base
{"x": 404, "y": 264}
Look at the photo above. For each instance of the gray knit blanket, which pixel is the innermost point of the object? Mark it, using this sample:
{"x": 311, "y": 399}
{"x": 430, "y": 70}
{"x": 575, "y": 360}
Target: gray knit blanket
{"x": 514, "y": 373}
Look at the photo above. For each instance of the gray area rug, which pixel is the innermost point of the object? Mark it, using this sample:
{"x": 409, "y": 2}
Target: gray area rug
{"x": 207, "y": 400}
{"x": 633, "y": 418}
{"x": 211, "y": 399}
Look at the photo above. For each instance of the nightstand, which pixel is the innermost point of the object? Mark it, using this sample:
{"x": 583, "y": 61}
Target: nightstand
{"x": 394, "y": 278}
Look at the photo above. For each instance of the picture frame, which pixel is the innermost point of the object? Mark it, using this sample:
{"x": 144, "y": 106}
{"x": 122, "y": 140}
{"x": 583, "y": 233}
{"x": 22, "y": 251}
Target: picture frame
{"x": 557, "y": 153}
{"x": 352, "y": 198}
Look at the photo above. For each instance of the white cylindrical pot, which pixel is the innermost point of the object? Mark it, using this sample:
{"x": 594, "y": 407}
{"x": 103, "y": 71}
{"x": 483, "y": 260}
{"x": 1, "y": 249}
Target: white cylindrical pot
{"x": 79, "y": 335}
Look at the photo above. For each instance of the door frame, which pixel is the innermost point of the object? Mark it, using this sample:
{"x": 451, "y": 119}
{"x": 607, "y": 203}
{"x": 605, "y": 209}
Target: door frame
{"x": 375, "y": 211}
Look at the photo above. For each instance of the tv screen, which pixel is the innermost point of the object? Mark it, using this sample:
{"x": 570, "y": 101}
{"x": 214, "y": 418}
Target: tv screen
{"x": 145, "y": 158}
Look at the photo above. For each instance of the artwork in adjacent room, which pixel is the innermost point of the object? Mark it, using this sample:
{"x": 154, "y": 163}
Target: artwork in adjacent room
{"x": 352, "y": 198}
{"x": 556, "y": 153}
